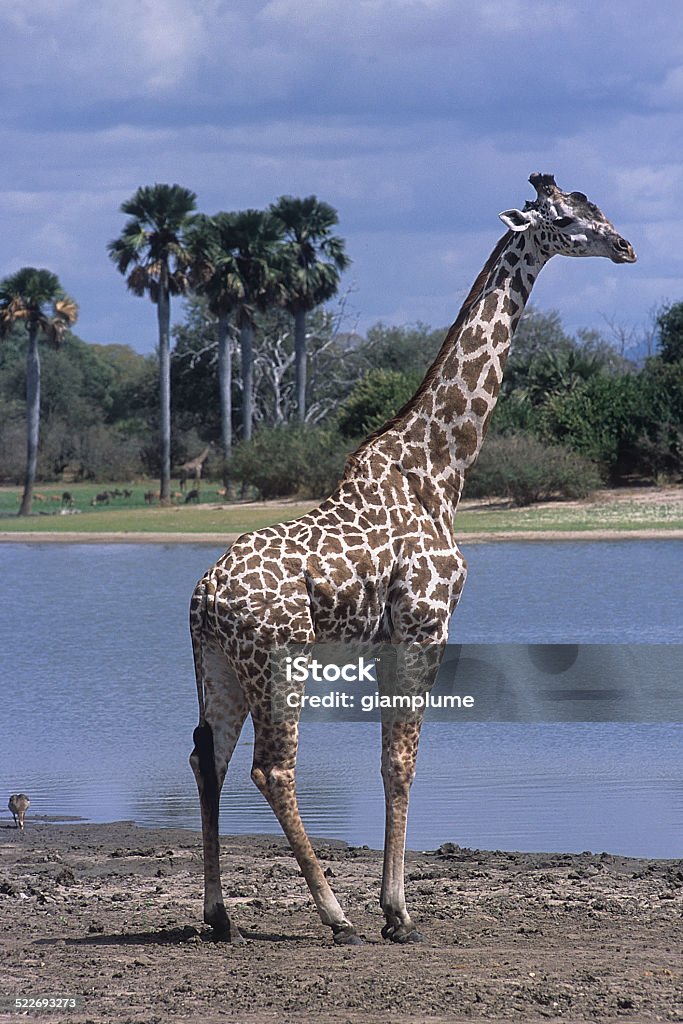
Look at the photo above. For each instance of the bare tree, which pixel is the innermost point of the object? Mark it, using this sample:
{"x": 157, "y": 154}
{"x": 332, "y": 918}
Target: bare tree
{"x": 332, "y": 369}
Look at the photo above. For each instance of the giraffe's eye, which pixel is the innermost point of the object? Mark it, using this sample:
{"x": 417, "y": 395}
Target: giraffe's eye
{"x": 563, "y": 222}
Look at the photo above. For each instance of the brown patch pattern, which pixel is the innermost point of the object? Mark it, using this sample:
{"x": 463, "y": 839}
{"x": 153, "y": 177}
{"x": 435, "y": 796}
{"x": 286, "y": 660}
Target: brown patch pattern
{"x": 376, "y": 561}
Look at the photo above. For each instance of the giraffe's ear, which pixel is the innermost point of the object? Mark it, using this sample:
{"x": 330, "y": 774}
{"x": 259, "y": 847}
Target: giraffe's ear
{"x": 516, "y": 220}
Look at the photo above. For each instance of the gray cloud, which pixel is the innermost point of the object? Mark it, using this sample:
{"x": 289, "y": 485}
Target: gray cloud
{"x": 417, "y": 119}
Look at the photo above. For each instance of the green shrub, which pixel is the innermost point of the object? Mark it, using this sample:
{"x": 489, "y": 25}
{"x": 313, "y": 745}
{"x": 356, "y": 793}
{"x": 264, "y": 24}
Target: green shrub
{"x": 524, "y": 470}
{"x": 12, "y": 444}
{"x": 629, "y": 425}
{"x": 598, "y": 419}
{"x": 375, "y": 399}
{"x": 282, "y": 461}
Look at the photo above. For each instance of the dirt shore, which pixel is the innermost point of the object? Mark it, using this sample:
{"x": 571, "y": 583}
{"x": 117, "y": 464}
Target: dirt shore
{"x": 111, "y": 914}
{"x": 225, "y": 539}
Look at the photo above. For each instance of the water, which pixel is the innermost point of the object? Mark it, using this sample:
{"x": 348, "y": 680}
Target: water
{"x": 99, "y": 704}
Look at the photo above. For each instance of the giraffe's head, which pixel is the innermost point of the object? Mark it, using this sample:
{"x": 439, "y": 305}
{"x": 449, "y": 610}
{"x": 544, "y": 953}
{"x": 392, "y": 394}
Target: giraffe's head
{"x": 568, "y": 223}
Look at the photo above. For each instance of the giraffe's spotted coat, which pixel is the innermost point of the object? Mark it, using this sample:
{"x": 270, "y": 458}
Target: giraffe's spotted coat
{"x": 376, "y": 561}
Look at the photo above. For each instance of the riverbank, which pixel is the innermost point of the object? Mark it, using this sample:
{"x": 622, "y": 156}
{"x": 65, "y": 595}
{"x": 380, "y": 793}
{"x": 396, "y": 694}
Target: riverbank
{"x": 225, "y": 539}
{"x": 637, "y": 513}
{"x": 111, "y": 915}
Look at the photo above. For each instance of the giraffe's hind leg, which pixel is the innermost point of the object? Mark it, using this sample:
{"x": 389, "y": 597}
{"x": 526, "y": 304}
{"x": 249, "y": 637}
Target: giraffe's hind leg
{"x": 215, "y": 738}
{"x": 275, "y": 747}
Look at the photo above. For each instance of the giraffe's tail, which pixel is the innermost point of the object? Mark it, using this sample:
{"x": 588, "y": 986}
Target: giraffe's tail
{"x": 199, "y": 604}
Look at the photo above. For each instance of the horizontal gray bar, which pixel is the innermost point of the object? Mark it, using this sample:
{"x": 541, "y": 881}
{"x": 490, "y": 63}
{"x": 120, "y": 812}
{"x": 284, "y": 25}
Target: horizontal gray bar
{"x": 480, "y": 682}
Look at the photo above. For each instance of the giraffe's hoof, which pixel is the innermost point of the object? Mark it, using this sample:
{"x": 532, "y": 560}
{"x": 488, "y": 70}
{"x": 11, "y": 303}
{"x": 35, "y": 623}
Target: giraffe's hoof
{"x": 230, "y": 934}
{"x": 401, "y": 933}
{"x": 347, "y": 937}
{"x": 223, "y": 930}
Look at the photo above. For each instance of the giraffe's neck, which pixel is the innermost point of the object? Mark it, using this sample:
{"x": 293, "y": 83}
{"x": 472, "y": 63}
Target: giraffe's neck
{"x": 438, "y": 434}
{"x": 199, "y": 461}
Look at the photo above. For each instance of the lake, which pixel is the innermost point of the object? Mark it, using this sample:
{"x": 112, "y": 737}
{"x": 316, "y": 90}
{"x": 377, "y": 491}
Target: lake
{"x": 99, "y": 704}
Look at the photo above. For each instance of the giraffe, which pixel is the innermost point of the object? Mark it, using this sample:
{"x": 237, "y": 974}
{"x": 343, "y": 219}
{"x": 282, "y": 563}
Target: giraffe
{"x": 193, "y": 468}
{"x": 375, "y": 561}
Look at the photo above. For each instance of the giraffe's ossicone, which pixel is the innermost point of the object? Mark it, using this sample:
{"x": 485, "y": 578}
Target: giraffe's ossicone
{"x": 377, "y": 561}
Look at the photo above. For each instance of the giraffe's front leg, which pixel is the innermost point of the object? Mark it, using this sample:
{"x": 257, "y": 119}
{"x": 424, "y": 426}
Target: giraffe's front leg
{"x": 405, "y": 672}
{"x": 399, "y": 753}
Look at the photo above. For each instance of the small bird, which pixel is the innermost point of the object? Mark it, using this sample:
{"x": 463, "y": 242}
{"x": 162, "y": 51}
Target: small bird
{"x": 18, "y": 804}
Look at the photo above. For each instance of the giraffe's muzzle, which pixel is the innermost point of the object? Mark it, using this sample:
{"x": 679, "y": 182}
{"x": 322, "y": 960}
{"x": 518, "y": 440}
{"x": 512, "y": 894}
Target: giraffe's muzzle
{"x": 623, "y": 251}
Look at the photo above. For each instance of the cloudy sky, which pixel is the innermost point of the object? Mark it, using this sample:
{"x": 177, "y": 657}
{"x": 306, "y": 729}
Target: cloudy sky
{"x": 419, "y": 120}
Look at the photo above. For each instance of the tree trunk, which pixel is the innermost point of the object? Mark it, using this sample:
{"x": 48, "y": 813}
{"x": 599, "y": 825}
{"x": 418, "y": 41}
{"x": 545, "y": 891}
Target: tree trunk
{"x": 247, "y": 348}
{"x": 225, "y": 383}
{"x": 164, "y": 319}
{"x": 300, "y": 362}
{"x": 32, "y": 418}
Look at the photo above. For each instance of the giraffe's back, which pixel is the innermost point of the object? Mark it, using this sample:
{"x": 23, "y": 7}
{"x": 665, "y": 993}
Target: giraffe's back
{"x": 334, "y": 574}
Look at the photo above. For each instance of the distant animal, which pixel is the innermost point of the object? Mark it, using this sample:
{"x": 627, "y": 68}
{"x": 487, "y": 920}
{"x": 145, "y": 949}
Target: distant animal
{"x": 18, "y": 804}
{"x": 192, "y": 469}
{"x": 101, "y": 499}
{"x": 151, "y": 496}
{"x": 67, "y": 499}
{"x": 192, "y": 495}
{"x": 127, "y": 493}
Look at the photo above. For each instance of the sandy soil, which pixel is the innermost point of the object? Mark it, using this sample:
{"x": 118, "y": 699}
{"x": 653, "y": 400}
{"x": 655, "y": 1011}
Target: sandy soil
{"x": 112, "y": 914}
{"x": 671, "y": 494}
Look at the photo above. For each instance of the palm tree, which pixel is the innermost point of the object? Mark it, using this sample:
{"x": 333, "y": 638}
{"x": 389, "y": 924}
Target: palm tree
{"x": 35, "y": 299}
{"x": 252, "y": 264}
{"x": 314, "y": 259}
{"x": 215, "y": 276}
{"x": 151, "y": 247}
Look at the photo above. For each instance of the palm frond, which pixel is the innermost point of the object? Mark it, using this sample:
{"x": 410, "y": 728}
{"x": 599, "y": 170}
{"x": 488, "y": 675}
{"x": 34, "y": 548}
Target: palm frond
{"x": 35, "y": 297}
{"x": 139, "y": 280}
{"x": 161, "y": 207}
{"x": 66, "y": 310}
{"x": 312, "y": 258}
{"x": 151, "y": 249}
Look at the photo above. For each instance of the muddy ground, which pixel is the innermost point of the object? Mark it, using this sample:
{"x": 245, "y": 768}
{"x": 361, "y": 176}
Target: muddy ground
{"x": 111, "y": 914}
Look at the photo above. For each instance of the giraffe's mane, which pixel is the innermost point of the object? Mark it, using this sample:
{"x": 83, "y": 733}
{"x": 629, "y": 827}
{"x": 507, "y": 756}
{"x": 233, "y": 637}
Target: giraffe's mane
{"x": 434, "y": 370}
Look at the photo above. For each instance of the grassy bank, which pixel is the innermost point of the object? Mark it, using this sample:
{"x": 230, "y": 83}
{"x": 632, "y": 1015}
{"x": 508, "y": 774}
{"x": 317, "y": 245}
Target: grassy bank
{"x": 620, "y": 511}
{"x": 134, "y": 515}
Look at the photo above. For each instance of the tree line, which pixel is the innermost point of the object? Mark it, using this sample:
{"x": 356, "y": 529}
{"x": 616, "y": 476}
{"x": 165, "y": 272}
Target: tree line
{"x": 265, "y": 374}
{"x": 240, "y": 262}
